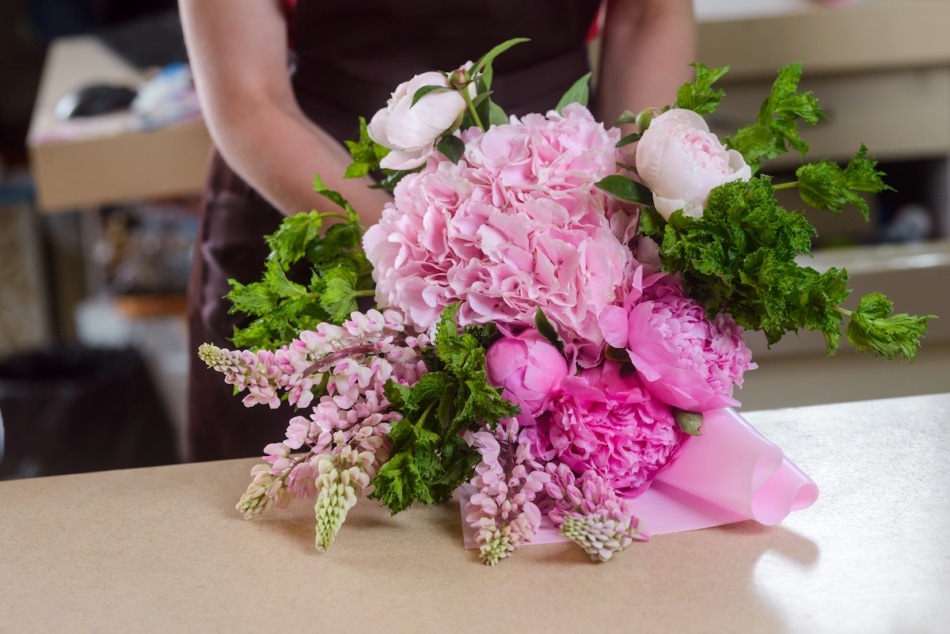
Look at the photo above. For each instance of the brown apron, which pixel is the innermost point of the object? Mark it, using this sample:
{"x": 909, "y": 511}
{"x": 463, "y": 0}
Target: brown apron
{"x": 348, "y": 61}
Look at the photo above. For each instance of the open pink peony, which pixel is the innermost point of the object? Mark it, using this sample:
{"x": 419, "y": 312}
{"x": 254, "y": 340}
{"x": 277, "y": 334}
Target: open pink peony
{"x": 603, "y": 420}
{"x": 681, "y": 161}
{"x": 685, "y": 359}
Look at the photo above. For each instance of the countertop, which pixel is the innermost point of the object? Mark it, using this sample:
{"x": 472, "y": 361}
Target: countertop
{"x": 162, "y": 549}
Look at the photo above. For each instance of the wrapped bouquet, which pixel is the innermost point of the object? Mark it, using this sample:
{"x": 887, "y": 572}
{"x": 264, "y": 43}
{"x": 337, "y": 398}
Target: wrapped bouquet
{"x": 559, "y": 315}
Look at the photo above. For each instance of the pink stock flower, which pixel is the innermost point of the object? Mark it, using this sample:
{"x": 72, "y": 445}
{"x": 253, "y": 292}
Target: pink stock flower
{"x": 604, "y": 421}
{"x": 681, "y": 161}
{"x": 517, "y": 225}
{"x": 683, "y": 358}
{"x": 528, "y": 367}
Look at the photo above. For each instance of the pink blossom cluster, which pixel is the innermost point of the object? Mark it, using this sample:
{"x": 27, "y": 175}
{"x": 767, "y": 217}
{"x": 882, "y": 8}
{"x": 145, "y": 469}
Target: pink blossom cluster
{"x": 516, "y": 225}
{"x": 589, "y": 512}
{"x": 351, "y": 363}
{"x": 502, "y": 510}
{"x": 603, "y": 433}
{"x": 514, "y": 490}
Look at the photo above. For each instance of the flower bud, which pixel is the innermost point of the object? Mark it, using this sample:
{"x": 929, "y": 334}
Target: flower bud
{"x": 643, "y": 119}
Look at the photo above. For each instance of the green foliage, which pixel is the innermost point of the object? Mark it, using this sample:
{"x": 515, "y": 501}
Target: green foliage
{"x": 547, "y": 330}
{"x": 366, "y": 154}
{"x": 740, "y": 258}
{"x": 625, "y": 188}
{"x": 874, "y": 329}
{"x": 452, "y": 147}
{"x": 430, "y": 459}
{"x": 699, "y": 95}
{"x": 776, "y": 125}
{"x": 824, "y": 185}
{"x": 483, "y": 66}
{"x": 339, "y": 274}
{"x": 579, "y": 92}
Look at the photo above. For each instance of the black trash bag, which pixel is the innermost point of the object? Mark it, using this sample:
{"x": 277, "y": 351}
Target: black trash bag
{"x": 72, "y": 409}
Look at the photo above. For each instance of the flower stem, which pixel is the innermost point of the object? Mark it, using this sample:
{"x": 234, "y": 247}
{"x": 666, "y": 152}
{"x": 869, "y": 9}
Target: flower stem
{"x": 788, "y": 185}
{"x": 471, "y": 108}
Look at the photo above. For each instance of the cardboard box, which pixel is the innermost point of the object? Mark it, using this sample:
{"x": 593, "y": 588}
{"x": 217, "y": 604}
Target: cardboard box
{"x": 93, "y": 162}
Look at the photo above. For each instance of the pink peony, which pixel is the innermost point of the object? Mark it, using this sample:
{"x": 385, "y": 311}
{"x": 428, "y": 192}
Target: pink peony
{"x": 517, "y": 225}
{"x": 684, "y": 359}
{"x": 604, "y": 421}
{"x": 528, "y": 367}
{"x": 409, "y": 129}
{"x": 681, "y": 161}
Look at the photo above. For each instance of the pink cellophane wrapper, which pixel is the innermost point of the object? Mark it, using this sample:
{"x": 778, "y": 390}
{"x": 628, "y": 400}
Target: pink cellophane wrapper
{"x": 730, "y": 473}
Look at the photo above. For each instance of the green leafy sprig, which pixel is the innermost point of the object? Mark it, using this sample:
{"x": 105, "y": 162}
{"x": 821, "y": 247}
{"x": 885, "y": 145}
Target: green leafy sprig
{"x": 742, "y": 255}
{"x": 365, "y": 154}
{"x": 339, "y": 274}
{"x": 699, "y": 95}
{"x": 775, "y": 130}
{"x": 430, "y": 459}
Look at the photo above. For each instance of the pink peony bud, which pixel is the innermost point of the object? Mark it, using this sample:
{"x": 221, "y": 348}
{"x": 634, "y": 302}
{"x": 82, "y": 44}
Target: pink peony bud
{"x": 410, "y": 129}
{"x": 681, "y": 161}
{"x": 528, "y": 367}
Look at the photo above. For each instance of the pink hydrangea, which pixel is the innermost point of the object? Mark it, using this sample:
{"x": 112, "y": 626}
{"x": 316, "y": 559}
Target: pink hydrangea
{"x": 604, "y": 421}
{"x": 685, "y": 359}
{"x": 516, "y": 225}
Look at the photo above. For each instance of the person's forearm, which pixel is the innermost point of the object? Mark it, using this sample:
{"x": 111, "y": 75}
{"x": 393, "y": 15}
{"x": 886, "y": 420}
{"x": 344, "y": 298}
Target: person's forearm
{"x": 279, "y": 153}
{"x": 237, "y": 50}
{"x": 646, "y": 51}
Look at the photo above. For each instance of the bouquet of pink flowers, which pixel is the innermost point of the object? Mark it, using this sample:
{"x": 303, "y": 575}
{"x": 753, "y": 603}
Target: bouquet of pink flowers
{"x": 555, "y": 327}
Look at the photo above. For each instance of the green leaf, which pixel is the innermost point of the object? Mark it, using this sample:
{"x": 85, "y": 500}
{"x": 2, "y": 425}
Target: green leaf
{"x": 776, "y": 126}
{"x": 625, "y": 188}
{"x": 425, "y": 90}
{"x": 699, "y": 95}
{"x": 548, "y": 331}
{"x": 340, "y": 293}
{"x": 294, "y": 237}
{"x": 365, "y": 152}
{"x": 431, "y": 458}
{"x": 452, "y": 147}
{"x": 496, "y": 116}
{"x": 652, "y": 223}
{"x": 740, "y": 258}
{"x": 339, "y": 272}
{"x": 320, "y": 187}
{"x": 626, "y": 117}
{"x": 628, "y": 139}
{"x": 874, "y": 329}
{"x": 579, "y": 92}
{"x": 825, "y": 185}
{"x": 483, "y": 65}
